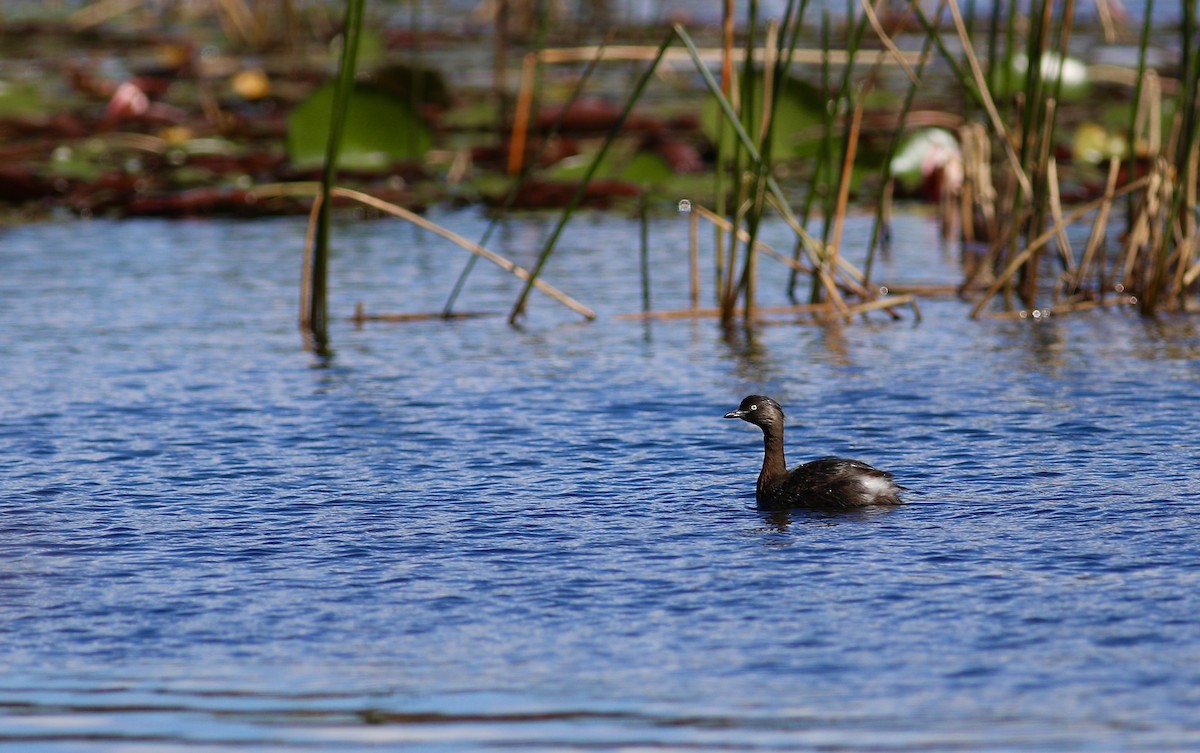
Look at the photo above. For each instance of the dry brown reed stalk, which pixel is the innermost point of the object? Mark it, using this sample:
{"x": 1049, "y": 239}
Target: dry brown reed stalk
{"x": 850, "y": 279}
{"x": 1191, "y": 236}
{"x": 1099, "y": 226}
{"x": 361, "y": 316}
{"x": 887, "y": 42}
{"x": 520, "y": 129}
{"x": 989, "y": 104}
{"x": 1020, "y": 259}
{"x": 519, "y": 272}
{"x": 979, "y": 208}
{"x": 238, "y": 21}
{"x": 1061, "y": 308}
{"x": 312, "y": 188}
{"x": 1056, "y": 214}
{"x": 742, "y": 235}
{"x": 712, "y": 312}
{"x": 639, "y": 53}
{"x": 694, "y": 258}
{"x": 832, "y": 251}
{"x": 815, "y": 252}
{"x": 95, "y": 14}
{"x": 825, "y": 311}
{"x": 310, "y": 240}
{"x": 1105, "y": 15}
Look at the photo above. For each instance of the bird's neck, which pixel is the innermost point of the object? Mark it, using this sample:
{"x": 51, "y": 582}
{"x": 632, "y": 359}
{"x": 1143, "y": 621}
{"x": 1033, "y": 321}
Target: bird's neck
{"x": 774, "y": 465}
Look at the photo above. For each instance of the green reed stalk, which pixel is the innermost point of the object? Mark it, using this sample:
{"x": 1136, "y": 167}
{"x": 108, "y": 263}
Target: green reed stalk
{"x": 824, "y": 159}
{"x": 746, "y": 208}
{"x": 518, "y": 308}
{"x": 1180, "y": 220}
{"x": 843, "y": 102}
{"x": 786, "y": 39}
{"x": 810, "y": 244}
{"x": 416, "y": 73}
{"x": 527, "y": 169}
{"x": 1038, "y": 127}
{"x": 315, "y": 319}
{"x": 877, "y": 228}
{"x": 749, "y": 281}
{"x": 720, "y": 199}
{"x": 993, "y": 44}
{"x": 826, "y": 164}
{"x": 790, "y": 31}
{"x": 1143, "y": 46}
{"x": 728, "y": 296}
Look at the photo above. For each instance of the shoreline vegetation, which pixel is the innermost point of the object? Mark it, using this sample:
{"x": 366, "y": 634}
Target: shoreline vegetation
{"x": 1070, "y": 182}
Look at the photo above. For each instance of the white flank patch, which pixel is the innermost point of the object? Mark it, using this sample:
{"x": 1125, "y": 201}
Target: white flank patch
{"x": 875, "y": 485}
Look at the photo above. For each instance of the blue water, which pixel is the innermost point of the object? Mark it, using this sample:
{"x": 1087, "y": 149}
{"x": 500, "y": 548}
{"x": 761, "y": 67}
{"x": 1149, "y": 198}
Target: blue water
{"x": 463, "y": 536}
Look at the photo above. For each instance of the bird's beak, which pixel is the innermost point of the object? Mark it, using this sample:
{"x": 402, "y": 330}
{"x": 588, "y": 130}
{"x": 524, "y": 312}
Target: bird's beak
{"x": 735, "y": 414}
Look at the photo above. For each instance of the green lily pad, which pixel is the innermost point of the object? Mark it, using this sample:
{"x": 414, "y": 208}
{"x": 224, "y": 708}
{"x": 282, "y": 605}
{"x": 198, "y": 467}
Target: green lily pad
{"x": 798, "y": 115}
{"x": 20, "y": 100}
{"x": 380, "y": 130}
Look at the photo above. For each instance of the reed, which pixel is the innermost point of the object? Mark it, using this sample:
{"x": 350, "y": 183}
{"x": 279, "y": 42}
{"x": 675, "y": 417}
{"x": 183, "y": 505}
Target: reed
{"x": 314, "y": 304}
{"x": 1011, "y": 203}
{"x": 750, "y": 161}
{"x": 880, "y": 231}
{"x": 315, "y": 189}
{"x": 518, "y": 309}
{"x": 1015, "y": 206}
{"x": 517, "y": 155}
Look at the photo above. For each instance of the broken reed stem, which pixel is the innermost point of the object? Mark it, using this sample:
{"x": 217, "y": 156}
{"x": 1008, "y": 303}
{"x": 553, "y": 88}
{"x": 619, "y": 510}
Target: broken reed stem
{"x": 1056, "y": 214}
{"x": 1190, "y": 243}
{"x": 776, "y": 193}
{"x": 643, "y": 53}
{"x": 744, "y": 236}
{"x": 888, "y": 43}
{"x": 311, "y": 188}
{"x": 526, "y": 171}
{"x": 810, "y": 243}
{"x": 519, "y": 272}
{"x": 1099, "y": 228}
{"x": 853, "y": 285}
{"x": 1139, "y": 233}
{"x": 1063, "y": 308}
{"x": 519, "y": 307}
{"x": 827, "y": 310}
{"x": 1017, "y": 261}
{"x": 310, "y": 238}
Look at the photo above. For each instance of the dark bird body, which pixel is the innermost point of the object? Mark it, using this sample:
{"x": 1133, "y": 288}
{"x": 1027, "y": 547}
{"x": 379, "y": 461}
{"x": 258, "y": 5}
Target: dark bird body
{"x": 823, "y": 484}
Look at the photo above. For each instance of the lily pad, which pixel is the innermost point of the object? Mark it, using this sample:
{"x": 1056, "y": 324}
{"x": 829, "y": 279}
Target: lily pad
{"x": 380, "y": 130}
{"x": 19, "y": 99}
{"x": 798, "y": 114}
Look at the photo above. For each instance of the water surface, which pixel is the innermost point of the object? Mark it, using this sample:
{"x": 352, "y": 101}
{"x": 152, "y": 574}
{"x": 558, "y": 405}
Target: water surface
{"x": 463, "y": 536}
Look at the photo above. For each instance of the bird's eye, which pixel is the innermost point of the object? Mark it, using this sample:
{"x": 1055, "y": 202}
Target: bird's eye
{"x": 753, "y": 407}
